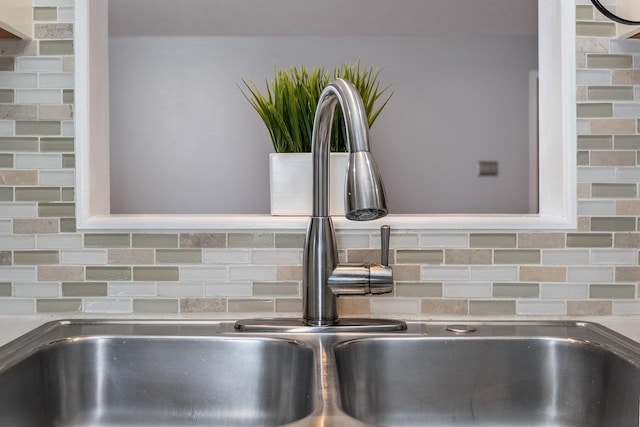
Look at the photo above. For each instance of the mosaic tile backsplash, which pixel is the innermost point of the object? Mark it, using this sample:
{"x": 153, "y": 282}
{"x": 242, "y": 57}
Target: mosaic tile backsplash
{"x": 46, "y": 266}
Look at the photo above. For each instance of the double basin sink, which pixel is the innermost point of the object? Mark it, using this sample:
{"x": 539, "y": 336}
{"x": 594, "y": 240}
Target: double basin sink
{"x": 197, "y": 373}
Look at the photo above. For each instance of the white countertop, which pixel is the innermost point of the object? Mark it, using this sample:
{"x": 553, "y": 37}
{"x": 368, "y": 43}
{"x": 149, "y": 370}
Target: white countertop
{"x": 13, "y": 326}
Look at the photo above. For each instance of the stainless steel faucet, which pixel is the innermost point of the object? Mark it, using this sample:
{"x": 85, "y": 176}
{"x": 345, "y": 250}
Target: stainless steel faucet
{"x": 324, "y": 278}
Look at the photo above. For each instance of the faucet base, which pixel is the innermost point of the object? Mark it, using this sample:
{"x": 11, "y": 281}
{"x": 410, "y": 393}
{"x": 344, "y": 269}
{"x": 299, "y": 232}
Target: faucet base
{"x": 297, "y": 325}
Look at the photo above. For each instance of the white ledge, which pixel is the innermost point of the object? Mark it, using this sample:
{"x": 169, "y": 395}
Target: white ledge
{"x": 398, "y": 222}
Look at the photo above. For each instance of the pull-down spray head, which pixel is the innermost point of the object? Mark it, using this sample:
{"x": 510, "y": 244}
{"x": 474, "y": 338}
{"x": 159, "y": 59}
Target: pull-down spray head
{"x": 364, "y": 194}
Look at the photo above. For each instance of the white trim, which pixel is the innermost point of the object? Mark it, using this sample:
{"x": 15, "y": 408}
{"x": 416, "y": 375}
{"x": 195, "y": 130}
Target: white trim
{"x": 557, "y": 170}
{"x": 92, "y": 109}
{"x": 533, "y": 141}
{"x": 397, "y": 222}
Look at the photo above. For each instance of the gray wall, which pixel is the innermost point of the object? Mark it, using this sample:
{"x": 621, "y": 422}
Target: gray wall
{"x": 196, "y": 146}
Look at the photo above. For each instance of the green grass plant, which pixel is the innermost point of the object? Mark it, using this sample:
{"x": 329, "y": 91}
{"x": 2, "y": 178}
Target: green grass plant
{"x": 288, "y": 106}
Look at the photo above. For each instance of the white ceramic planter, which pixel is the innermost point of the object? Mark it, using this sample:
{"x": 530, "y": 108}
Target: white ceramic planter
{"x": 291, "y": 183}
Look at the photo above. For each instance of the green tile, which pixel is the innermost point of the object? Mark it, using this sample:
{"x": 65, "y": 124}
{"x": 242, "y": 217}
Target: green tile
{"x": 516, "y": 256}
{"x": 68, "y": 161}
{"x": 250, "y": 306}
{"x": 6, "y": 194}
{"x": 584, "y": 13}
{"x": 418, "y": 290}
{"x": 5, "y": 289}
{"x": 268, "y": 289}
{"x": 107, "y": 240}
{"x": 7, "y": 63}
{"x": 627, "y": 142}
{"x": 68, "y": 194}
{"x": 18, "y": 144}
{"x": 155, "y": 305}
{"x": 179, "y": 256}
{"x": 59, "y": 305}
{"x": 613, "y": 224}
{"x": 610, "y": 93}
{"x": 602, "y": 291}
{"x": 155, "y": 240}
{"x": 589, "y": 240}
{"x": 56, "y": 47}
{"x": 156, "y": 274}
{"x": 409, "y": 256}
{"x": 6, "y": 160}
{"x": 28, "y": 127}
{"x": 7, "y": 96}
{"x": 594, "y": 110}
{"x": 35, "y": 257}
{"x": 485, "y": 308}
{"x": 251, "y": 240}
{"x": 108, "y": 273}
{"x": 57, "y": 210}
{"x": 287, "y": 240}
{"x": 68, "y": 225}
{"x": 84, "y": 289}
{"x": 595, "y": 60}
{"x": 45, "y": 13}
{"x": 288, "y": 305}
{"x": 582, "y": 158}
{"x": 613, "y": 190}
{"x": 56, "y": 144}
{"x": 595, "y": 29}
{"x": 516, "y": 290}
{"x": 490, "y": 240}
{"x": 594, "y": 142}
{"x": 68, "y": 96}
{"x": 37, "y": 194}
{"x": 5, "y": 258}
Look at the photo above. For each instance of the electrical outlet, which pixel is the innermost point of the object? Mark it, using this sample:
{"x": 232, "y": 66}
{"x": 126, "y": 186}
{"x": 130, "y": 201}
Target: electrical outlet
{"x": 488, "y": 168}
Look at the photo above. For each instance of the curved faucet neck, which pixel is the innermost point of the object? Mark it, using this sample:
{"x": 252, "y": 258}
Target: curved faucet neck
{"x": 341, "y": 92}
{"x": 323, "y": 277}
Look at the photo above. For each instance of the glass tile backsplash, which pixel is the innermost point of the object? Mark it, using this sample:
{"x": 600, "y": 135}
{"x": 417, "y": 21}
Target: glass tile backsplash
{"x": 47, "y": 266}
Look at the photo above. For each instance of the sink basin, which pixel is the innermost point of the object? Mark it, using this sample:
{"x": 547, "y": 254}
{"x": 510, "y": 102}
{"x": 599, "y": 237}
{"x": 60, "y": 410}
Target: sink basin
{"x": 132, "y": 380}
{"x": 507, "y": 381}
{"x": 86, "y": 373}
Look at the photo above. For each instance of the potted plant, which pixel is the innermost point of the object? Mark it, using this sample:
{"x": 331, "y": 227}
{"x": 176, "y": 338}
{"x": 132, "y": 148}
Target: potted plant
{"x": 287, "y": 109}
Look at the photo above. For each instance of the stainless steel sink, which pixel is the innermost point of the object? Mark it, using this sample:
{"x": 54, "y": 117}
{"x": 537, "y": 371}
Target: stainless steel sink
{"x": 488, "y": 382}
{"x": 108, "y": 378}
{"x": 197, "y": 373}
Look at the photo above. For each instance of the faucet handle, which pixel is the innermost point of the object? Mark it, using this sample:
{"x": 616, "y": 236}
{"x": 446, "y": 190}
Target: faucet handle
{"x": 385, "y": 236}
{"x": 381, "y": 275}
